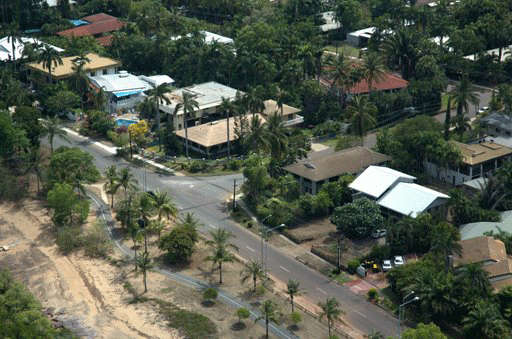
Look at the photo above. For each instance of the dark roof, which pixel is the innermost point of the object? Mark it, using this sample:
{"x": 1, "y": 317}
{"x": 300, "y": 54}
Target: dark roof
{"x": 501, "y": 120}
{"x": 327, "y": 164}
{"x": 99, "y": 24}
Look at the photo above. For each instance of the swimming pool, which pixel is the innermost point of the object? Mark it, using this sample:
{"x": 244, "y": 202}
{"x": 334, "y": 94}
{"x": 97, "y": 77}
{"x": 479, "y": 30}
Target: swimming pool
{"x": 125, "y": 122}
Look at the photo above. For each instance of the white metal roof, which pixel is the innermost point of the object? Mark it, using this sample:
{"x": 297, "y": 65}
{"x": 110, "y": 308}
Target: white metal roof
{"x": 157, "y": 80}
{"x": 210, "y": 37}
{"x": 410, "y": 199}
{"x": 330, "y": 22}
{"x": 120, "y": 82}
{"x": 376, "y": 180}
{"x": 365, "y": 33}
{"x": 6, "y": 47}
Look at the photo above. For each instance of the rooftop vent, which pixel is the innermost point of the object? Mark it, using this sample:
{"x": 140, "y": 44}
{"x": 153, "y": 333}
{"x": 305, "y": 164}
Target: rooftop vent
{"x": 310, "y": 165}
{"x": 123, "y": 74}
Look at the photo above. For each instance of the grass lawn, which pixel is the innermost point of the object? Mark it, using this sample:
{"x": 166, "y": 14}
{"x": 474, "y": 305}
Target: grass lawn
{"x": 444, "y": 101}
{"x": 330, "y": 142}
{"x": 345, "y": 49}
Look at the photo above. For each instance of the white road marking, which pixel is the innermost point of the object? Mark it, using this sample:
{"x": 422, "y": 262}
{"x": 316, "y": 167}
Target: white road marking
{"x": 321, "y": 290}
{"x": 360, "y": 314}
{"x": 213, "y": 226}
{"x": 284, "y": 269}
{"x": 191, "y": 186}
{"x": 250, "y": 249}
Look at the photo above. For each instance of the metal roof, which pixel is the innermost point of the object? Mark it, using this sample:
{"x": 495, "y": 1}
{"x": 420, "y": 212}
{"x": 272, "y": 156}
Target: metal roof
{"x": 6, "y": 47}
{"x": 410, "y": 199}
{"x": 376, "y": 180}
{"x": 121, "y": 82}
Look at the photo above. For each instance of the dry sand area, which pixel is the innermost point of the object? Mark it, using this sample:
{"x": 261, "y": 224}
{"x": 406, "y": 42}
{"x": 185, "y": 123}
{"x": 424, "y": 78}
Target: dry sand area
{"x": 87, "y": 295}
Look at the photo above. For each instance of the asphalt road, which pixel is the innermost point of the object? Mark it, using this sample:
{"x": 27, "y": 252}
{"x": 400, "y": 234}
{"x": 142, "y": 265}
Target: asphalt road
{"x": 205, "y": 197}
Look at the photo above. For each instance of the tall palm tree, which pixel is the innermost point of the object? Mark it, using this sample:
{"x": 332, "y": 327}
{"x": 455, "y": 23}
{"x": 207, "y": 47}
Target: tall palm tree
{"x": 292, "y": 288}
{"x": 14, "y": 36}
{"x": 361, "y": 113}
{"x": 220, "y": 248}
{"x": 145, "y": 264}
{"x": 269, "y": 312}
{"x": 51, "y": 128}
{"x": 461, "y": 124}
{"x": 78, "y": 81}
{"x": 445, "y": 241}
{"x": 112, "y": 184}
{"x": 339, "y": 69}
{"x": 126, "y": 179}
{"x": 280, "y": 96}
{"x": 254, "y": 270}
{"x": 164, "y": 204}
{"x": 447, "y": 118}
{"x": 485, "y": 321}
{"x": 256, "y": 136}
{"x": 159, "y": 97}
{"x": 463, "y": 94}
{"x": 50, "y": 58}
{"x": 34, "y": 162}
{"x": 147, "y": 108}
{"x": 373, "y": 69}
{"x": 330, "y": 311}
{"x": 276, "y": 136}
{"x": 400, "y": 49}
{"x": 188, "y": 105}
{"x": 191, "y": 221}
{"x": 474, "y": 280}
{"x": 252, "y": 101}
{"x": 227, "y": 106}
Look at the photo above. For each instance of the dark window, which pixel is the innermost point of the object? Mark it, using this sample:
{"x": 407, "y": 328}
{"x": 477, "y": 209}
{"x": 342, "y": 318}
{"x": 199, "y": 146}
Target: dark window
{"x": 105, "y": 71}
{"x": 464, "y": 169}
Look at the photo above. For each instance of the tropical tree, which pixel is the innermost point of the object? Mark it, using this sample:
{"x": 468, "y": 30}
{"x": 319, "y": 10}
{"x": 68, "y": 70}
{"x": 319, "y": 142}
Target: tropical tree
{"x": 78, "y": 80}
{"x": 256, "y": 136}
{"x": 145, "y": 207}
{"x": 422, "y": 331}
{"x": 188, "y": 105}
{"x": 339, "y": 69}
{"x": 50, "y": 58}
{"x": 373, "y": 69}
{"x": 463, "y": 94}
{"x": 147, "y": 107}
{"x": 220, "y": 248}
{"x": 276, "y": 136}
{"x": 252, "y": 101}
{"x": 51, "y": 128}
{"x": 400, "y": 49}
{"x": 292, "y": 288}
{"x": 34, "y": 162}
{"x": 330, "y": 311}
{"x": 254, "y": 270}
{"x": 485, "y": 321}
{"x": 191, "y": 221}
{"x": 14, "y": 36}
{"x": 227, "y": 106}
{"x": 145, "y": 264}
{"x": 164, "y": 204}
{"x": 242, "y": 313}
{"x": 375, "y": 334}
{"x": 159, "y": 97}
{"x": 112, "y": 185}
{"x": 361, "y": 113}
{"x": 269, "y": 312}
{"x": 445, "y": 241}
{"x": 473, "y": 282}
{"x": 126, "y": 179}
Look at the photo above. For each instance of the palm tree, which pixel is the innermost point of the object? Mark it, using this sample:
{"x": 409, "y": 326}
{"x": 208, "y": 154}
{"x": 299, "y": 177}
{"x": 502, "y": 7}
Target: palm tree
{"x": 474, "y": 280}
{"x": 276, "y": 136}
{"x": 373, "y": 69}
{"x": 112, "y": 184}
{"x": 191, "y": 221}
{"x": 126, "y": 179}
{"x": 147, "y": 107}
{"x": 447, "y": 118}
{"x": 50, "y": 58}
{"x": 164, "y": 204}
{"x": 292, "y": 288}
{"x": 485, "y": 321}
{"x": 188, "y": 105}
{"x": 14, "y": 36}
{"x": 330, "y": 311}
{"x": 99, "y": 98}
{"x": 227, "y": 106}
{"x": 145, "y": 207}
{"x": 252, "y": 101}
{"x": 436, "y": 292}
{"x": 159, "y": 97}
{"x": 254, "y": 270}
{"x": 52, "y": 128}
{"x": 445, "y": 241}
{"x": 463, "y": 94}
{"x": 340, "y": 71}
{"x": 361, "y": 113}
{"x": 269, "y": 312}
{"x": 257, "y": 136}
{"x": 220, "y": 245}
{"x": 280, "y": 96}
{"x": 34, "y": 162}
{"x": 461, "y": 124}
{"x": 78, "y": 181}
{"x": 145, "y": 264}
{"x": 375, "y": 334}
{"x": 400, "y": 49}
{"x": 78, "y": 81}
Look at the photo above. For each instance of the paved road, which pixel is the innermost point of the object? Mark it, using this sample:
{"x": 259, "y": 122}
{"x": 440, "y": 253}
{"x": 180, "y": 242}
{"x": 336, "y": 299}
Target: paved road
{"x": 206, "y": 198}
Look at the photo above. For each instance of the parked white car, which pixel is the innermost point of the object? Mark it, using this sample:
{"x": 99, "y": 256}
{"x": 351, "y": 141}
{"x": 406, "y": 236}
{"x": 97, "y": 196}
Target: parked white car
{"x": 398, "y": 260}
{"x": 386, "y": 265}
{"x": 483, "y": 109}
{"x": 379, "y": 233}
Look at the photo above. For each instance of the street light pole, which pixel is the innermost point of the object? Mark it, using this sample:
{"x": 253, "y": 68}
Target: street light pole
{"x": 266, "y": 241}
{"x": 400, "y": 307}
{"x": 262, "y": 235}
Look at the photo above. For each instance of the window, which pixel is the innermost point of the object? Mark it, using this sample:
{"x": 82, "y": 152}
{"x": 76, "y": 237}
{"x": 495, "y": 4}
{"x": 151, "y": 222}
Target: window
{"x": 93, "y": 73}
{"x": 105, "y": 71}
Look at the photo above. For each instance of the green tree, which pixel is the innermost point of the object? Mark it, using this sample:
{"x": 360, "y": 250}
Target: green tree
{"x": 375, "y": 334}
{"x": 126, "y": 179}
{"x": 361, "y": 113}
{"x": 51, "y": 128}
{"x": 242, "y": 313}
{"x": 164, "y": 204}
{"x": 253, "y": 270}
{"x": 62, "y": 101}
{"x": 145, "y": 264}
{"x": 276, "y": 136}
{"x": 373, "y": 69}
{"x": 358, "y": 219}
{"x": 445, "y": 242}
{"x": 330, "y": 311}
{"x": 50, "y": 58}
{"x": 422, "y": 331}
{"x": 67, "y": 164}
{"x": 191, "y": 221}
{"x": 400, "y": 49}
{"x": 68, "y": 209}
{"x": 179, "y": 243}
{"x": 14, "y": 37}
{"x": 159, "y": 96}
{"x": 293, "y": 289}
{"x": 220, "y": 248}
{"x": 464, "y": 94}
{"x": 269, "y": 312}
{"x": 34, "y": 162}
{"x": 485, "y": 321}
{"x": 210, "y": 294}
{"x": 188, "y": 105}
{"x": 349, "y": 14}
{"x": 112, "y": 184}
{"x": 227, "y": 106}
{"x": 256, "y": 138}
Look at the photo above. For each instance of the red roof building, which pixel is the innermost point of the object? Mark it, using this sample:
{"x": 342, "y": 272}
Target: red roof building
{"x": 99, "y": 24}
{"x": 389, "y": 82}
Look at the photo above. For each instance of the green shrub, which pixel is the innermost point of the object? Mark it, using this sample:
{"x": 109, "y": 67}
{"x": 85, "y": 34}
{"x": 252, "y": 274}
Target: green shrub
{"x": 96, "y": 242}
{"x": 250, "y": 224}
{"x": 69, "y": 238}
{"x": 260, "y": 290}
{"x": 210, "y": 294}
{"x": 352, "y": 265}
{"x": 234, "y": 164}
{"x": 195, "y": 167}
{"x": 242, "y": 313}
{"x": 295, "y": 317}
{"x": 373, "y": 294}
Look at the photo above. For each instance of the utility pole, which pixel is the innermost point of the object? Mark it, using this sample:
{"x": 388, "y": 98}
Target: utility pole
{"x": 234, "y": 194}
{"x": 131, "y": 149}
{"x": 339, "y": 253}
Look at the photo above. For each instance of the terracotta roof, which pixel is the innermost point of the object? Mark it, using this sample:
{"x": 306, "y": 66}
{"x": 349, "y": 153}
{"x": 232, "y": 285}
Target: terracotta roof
{"x": 389, "y": 82}
{"x": 105, "y": 40}
{"x": 328, "y": 164}
{"x": 99, "y": 24}
{"x": 212, "y": 133}
{"x": 481, "y": 249}
{"x": 473, "y": 154}
{"x": 62, "y": 71}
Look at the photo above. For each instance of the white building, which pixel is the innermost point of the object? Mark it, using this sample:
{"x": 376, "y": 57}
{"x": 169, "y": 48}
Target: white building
{"x": 361, "y": 37}
{"x": 6, "y": 47}
{"x": 157, "y": 80}
{"x": 209, "y": 38}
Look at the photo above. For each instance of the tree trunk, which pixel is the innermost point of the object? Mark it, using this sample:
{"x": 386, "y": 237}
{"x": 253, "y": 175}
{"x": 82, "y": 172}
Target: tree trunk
{"x": 135, "y": 250}
{"x": 447, "y": 121}
{"x": 220, "y": 272}
{"x": 254, "y": 281}
{"x": 266, "y": 326}
{"x": 145, "y": 281}
{"x": 291, "y": 298}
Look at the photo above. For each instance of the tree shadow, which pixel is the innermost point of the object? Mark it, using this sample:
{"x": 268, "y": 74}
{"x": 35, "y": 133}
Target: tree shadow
{"x": 208, "y": 303}
{"x": 238, "y": 326}
{"x": 293, "y": 327}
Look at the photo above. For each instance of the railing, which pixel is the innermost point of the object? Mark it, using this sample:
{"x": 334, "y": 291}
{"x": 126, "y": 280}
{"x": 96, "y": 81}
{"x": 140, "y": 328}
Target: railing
{"x": 298, "y": 120}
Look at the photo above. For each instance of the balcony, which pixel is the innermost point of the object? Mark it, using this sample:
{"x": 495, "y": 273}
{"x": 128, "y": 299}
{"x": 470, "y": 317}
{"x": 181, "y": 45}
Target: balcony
{"x": 298, "y": 120}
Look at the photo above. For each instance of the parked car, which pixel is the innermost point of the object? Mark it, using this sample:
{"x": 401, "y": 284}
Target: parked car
{"x": 398, "y": 260}
{"x": 379, "y": 233}
{"x": 483, "y": 109}
{"x": 386, "y": 265}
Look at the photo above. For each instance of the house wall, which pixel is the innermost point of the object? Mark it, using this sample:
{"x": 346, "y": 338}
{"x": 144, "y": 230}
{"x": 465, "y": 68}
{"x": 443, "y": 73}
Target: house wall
{"x": 127, "y": 103}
